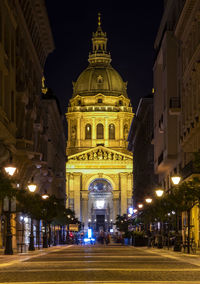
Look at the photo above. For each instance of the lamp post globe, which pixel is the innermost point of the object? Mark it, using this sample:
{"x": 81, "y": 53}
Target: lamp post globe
{"x": 45, "y": 196}
{"x": 32, "y": 187}
{"x": 176, "y": 179}
{"x": 10, "y": 170}
{"x": 159, "y": 192}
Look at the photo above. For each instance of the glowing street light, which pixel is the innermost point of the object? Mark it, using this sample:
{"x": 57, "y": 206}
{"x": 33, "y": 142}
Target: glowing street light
{"x": 135, "y": 211}
{"x": 159, "y": 192}
{"x": 32, "y": 187}
{"x": 140, "y": 205}
{"x": 45, "y": 195}
{"x": 10, "y": 170}
{"x": 176, "y": 179}
{"x": 148, "y": 200}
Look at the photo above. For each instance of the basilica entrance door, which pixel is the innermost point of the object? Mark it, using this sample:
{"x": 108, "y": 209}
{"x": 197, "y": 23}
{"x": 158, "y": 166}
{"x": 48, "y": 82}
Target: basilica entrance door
{"x": 100, "y": 223}
{"x": 100, "y": 205}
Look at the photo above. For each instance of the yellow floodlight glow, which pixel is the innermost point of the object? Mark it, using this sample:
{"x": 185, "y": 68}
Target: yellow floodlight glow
{"x": 140, "y": 205}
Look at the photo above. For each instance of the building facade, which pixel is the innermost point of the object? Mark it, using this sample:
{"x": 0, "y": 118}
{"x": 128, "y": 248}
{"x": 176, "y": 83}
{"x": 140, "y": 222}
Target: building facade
{"x": 26, "y": 128}
{"x": 177, "y": 97}
{"x": 99, "y": 166}
{"x": 140, "y": 143}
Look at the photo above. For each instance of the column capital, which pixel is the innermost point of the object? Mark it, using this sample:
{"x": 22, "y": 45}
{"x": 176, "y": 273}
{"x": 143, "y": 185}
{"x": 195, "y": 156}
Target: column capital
{"x": 116, "y": 194}
{"x": 84, "y": 194}
{"x": 77, "y": 174}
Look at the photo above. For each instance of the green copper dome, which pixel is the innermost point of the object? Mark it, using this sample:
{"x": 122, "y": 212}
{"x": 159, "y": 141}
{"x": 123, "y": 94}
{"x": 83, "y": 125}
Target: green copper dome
{"x": 99, "y": 76}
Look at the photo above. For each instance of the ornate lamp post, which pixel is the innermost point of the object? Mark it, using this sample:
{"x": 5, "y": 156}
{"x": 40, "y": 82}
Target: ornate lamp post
{"x": 10, "y": 170}
{"x": 45, "y": 244}
{"x": 159, "y": 192}
{"x": 177, "y": 246}
{"x": 32, "y": 188}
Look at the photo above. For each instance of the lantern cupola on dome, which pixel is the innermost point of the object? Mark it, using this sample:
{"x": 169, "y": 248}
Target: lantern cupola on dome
{"x": 99, "y": 76}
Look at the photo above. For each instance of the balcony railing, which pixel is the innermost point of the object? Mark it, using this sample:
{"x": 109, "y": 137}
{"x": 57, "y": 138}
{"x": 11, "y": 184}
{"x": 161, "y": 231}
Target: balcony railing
{"x": 174, "y": 105}
{"x": 189, "y": 169}
{"x": 99, "y": 108}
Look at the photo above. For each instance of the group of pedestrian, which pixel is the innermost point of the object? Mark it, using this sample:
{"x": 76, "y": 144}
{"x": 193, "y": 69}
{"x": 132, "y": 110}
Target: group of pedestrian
{"x": 104, "y": 238}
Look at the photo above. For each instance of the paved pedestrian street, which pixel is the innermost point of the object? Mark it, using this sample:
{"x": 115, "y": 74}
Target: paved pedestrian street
{"x": 100, "y": 264}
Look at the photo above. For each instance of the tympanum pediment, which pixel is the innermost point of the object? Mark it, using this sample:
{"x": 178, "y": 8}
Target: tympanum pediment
{"x": 100, "y": 153}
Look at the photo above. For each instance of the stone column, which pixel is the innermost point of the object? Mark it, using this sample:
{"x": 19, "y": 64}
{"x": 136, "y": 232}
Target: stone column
{"x": 93, "y": 133}
{"x": 78, "y": 132}
{"x": 123, "y": 189}
{"x": 67, "y": 189}
{"x": 106, "y": 133}
{"x": 116, "y": 204}
{"x": 77, "y": 197}
{"x": 71, "y": 191}
{"x": 121, "y": 131}
{"x": 84, "y": 213}
{"x": 130, "y": 190}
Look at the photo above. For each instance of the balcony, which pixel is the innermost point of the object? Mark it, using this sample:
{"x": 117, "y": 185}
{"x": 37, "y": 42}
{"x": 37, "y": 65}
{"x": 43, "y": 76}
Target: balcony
{"x": 174, "y": 106}
{"x": 103, "y": 108}
{"x": 190, "y": 170}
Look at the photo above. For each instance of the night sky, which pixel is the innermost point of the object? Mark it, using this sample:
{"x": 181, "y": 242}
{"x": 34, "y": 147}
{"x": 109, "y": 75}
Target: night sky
{"x": 131, "y": 31}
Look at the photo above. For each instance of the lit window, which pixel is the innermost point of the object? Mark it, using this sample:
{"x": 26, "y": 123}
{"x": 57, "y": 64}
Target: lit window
{"x": 111, "y": 131}
{"x": 100, "y": 131}
{"x": 88, "y": 131}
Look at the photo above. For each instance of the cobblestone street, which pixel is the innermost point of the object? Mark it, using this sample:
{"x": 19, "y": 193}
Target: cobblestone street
{"x": 100, "y": 264}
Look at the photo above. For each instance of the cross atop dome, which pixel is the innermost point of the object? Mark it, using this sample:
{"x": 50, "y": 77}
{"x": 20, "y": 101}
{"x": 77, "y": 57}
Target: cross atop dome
{"x": 99, "y": 19}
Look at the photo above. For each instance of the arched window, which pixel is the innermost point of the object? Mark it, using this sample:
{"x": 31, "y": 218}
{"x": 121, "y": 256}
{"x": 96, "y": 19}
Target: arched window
{"x": 100, "y": 132}
{"x": 88, "y": 131}
{"x": 111, "y": 131}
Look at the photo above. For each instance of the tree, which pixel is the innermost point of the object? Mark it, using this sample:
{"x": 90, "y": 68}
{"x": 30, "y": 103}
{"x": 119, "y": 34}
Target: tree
{"x": 123, "y": 223}
{"x": 6, "y": 187}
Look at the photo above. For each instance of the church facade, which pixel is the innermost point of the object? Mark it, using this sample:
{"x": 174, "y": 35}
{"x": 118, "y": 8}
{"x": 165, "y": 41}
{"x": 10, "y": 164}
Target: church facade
{"x": 99, "y": 167}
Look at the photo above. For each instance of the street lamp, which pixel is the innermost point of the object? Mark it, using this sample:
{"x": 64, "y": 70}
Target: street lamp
{"x": 176, "y": 179}
{"x": 148, "y": 200}
{"x": 159, "y": 192}
{"x": 10, "y": 170}
{"x": 45, "y": 195}
{"x": 32, "y": 188}
{"x": 177, "y": 247}
{"x": 140, "y": 205}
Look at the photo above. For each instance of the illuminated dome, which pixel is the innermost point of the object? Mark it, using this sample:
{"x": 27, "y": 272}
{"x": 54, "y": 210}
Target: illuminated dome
{"x": 97, "y": 79}
{"x": 99, "y": 76}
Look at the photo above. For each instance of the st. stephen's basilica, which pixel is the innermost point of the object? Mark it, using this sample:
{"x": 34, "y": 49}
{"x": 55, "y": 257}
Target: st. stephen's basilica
{"x": 99, "y": 167}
